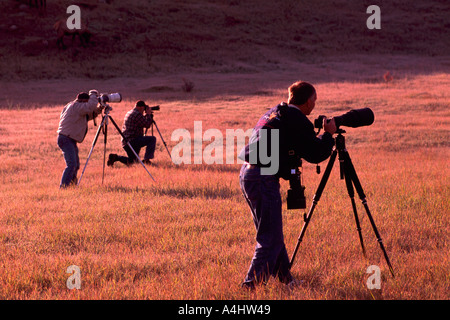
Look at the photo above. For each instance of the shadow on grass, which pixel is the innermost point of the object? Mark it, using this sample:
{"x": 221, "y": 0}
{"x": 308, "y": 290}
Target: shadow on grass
{"x": 182, "y": 192}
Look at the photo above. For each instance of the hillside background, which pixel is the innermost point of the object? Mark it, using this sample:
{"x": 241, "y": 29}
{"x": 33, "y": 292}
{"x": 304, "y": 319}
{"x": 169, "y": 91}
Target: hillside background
{"x": 139, "y": 38}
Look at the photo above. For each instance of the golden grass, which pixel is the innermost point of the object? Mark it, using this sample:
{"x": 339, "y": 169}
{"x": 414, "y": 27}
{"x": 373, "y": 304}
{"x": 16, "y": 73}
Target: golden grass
{"x": 190, "y": 234}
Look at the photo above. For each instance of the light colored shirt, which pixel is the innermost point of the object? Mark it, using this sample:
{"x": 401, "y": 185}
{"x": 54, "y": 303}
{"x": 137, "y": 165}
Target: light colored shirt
{"x": 74, "y": 118}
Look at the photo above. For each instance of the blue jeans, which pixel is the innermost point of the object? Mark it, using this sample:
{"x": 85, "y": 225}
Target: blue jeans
{"x": 70, "y": 152}
{"x": 137, "y": 144}
{"x": 262, "y": 193}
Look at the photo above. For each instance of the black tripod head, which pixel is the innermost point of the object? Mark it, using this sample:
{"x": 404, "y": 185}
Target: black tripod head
{"x": 106, "y": 107}
{"x": 340, "y": 140}
{"x": 339, "y": 143}
{"x": 341, "y": 149}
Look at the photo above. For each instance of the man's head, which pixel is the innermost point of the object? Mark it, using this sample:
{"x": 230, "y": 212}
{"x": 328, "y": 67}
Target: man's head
{"x": 83, "y": 97}
{"x": 141, "y": 106}
{"x": 303, "y": 95}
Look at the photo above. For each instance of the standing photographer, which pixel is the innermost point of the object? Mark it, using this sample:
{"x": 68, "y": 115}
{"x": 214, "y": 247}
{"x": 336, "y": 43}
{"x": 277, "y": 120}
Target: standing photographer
{"x": 296, "y": 139}
{"x": 140, "y": 117}
{"x": 73, "y": 126}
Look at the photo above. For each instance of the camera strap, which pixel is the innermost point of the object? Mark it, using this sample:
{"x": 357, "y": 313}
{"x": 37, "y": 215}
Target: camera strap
{"x": 293, "y": 159}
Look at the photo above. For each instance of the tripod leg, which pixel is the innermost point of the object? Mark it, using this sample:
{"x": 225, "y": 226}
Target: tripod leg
{"x": 129, "y": 145}
{"x": 105, "y": 132}
{"x": 162, "y": 139}
{"x": 316, "y": 199}
{"x": 362, "y": 196}
{"x": 137, "y": 157}
{"x": 351, "y": 193}
{"x": 92, "y": 148}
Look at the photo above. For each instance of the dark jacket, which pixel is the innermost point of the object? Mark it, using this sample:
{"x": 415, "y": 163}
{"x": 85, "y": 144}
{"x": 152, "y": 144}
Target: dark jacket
{"x": 134, "y": 124}
{"x": 296, "y": 134}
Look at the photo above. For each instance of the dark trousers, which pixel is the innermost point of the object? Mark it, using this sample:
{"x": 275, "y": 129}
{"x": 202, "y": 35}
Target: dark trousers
{"x": 69, "y": 149}
{"x": 137, "y": 144}
{"x": 262, "y": 193}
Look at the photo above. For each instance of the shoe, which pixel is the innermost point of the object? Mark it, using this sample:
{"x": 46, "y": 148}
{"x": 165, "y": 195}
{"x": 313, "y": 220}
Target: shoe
{"x": 147, "y": 161}
{"x": 111, "y": 159}
{"x": 248, "y": 286}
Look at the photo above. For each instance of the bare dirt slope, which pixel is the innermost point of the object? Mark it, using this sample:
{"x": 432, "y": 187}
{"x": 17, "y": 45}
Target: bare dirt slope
{"x": 163, "y": 41}
{"x": 146, "y": 36}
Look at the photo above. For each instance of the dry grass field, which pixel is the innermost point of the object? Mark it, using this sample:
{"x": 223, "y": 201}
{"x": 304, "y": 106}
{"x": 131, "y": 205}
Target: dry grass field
{"x": 190, "y": 235}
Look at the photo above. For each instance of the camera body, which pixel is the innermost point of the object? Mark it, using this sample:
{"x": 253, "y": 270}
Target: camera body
{"x": 318, "y": 123}
{"x": 296, "y": 193}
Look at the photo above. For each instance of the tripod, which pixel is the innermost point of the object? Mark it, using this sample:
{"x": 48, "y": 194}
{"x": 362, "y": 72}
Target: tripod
{"x": 104, "y": 127}
{"x": 347, "y": 172}
{"x": 165, "y": 145}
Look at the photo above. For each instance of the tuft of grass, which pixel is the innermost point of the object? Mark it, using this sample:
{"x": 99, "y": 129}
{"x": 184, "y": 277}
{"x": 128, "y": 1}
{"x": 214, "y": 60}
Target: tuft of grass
{"x": 188, "y": 85}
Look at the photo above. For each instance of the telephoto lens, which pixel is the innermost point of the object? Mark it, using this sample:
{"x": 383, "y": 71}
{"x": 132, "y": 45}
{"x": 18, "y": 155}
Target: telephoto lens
{"x": 114, "y": 97}
{"x": 354, "y": 118}
{"x": 110, "y": 97}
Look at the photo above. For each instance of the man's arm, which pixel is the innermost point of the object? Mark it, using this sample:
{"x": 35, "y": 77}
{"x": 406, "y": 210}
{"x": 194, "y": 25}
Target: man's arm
{"x": 90, "y": 108}
{"x": 145, "y": 121}
{"x": 314, "y": 149}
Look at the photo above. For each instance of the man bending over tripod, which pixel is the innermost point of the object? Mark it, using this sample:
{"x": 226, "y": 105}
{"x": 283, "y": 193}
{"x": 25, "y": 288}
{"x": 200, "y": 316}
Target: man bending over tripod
{"x": 140, "y": 117}
{"x": 72, "y": 130}
{"x": 297, "y": 139}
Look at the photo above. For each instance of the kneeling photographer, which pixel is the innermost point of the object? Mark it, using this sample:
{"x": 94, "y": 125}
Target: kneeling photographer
{"x": 140, "y": 117}
{"x": 296, "y": 140}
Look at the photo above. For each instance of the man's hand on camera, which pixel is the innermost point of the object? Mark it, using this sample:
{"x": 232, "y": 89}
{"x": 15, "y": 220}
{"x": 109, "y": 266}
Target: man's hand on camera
{"x": 329, "y": 125}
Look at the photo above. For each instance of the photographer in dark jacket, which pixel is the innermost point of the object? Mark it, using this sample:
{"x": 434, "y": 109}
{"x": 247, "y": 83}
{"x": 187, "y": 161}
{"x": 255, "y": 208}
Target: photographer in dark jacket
{"x": 138, "y": 118}
{"x": 279, "y": 133}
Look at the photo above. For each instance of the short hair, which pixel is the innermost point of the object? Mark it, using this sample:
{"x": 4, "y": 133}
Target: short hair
{"x": 141, "y": 103}
{"x": 83, "y": 96}
{"x": 300, "y": 92}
